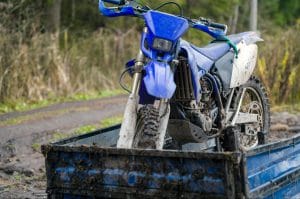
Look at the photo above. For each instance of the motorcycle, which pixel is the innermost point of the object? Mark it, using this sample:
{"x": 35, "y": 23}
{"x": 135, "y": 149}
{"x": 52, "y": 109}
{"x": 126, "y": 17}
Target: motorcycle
{"x": 182, "y": 93}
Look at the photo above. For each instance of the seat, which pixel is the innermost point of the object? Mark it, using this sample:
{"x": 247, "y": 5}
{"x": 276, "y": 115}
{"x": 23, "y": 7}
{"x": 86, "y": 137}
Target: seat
{"x": 213, "y": 51}
{"x": 216, "y": 50}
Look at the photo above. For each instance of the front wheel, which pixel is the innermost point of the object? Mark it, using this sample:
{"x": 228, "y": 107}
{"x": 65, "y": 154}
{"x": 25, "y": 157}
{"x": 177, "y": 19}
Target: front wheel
{"x": 147, "y": 127}
{"x": 255, "y": 101}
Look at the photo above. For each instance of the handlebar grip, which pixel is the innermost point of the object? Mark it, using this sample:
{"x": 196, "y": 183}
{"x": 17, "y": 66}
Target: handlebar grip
{"x": 116, "y": 2}
{"x": 218, "y": 26}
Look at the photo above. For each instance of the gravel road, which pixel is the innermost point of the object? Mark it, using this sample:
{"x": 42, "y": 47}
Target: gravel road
{"x": 21, "y": 166}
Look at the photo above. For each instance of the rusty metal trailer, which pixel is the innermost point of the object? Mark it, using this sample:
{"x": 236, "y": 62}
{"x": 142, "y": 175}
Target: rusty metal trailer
{"x": 89, "y": 166}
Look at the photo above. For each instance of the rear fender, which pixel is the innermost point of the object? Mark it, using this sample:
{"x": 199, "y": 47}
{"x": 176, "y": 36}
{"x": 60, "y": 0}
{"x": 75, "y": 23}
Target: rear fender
{"x": 159, "y": 80}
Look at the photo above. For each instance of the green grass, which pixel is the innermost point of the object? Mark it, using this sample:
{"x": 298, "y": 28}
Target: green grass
{"x": 22, "y": 105}
{"x": 17, "y": 176}
{"x": 59, "y": 136}
{"x": 84, "y": 129}
{"x": 79, "y": 131}
{"x": 111, "y": 121}
{"x": 32, "y": 117}
{"x": 36, "y": 147}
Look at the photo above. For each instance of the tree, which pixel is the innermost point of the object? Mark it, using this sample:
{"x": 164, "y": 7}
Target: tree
{"x": 253, "y": 16}
{"x": 54, "y": 15}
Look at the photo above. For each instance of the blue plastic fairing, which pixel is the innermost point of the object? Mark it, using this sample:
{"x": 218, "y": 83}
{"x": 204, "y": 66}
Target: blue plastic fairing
{"x": 213, "y": 32}
{"x": 159, "y": 80}
{"x": 214, "y": 50}
{"x": 199, "y": 65}
{"x": 145, "y": 98}
{"x": 166, "y": 26}
{"x": 163, "y": 26}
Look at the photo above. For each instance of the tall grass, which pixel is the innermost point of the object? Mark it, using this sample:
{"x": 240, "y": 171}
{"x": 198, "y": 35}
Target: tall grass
{"x": 40, "y": 68}
{"x": 36, "y": 64}
{"x": 279, "y": 65}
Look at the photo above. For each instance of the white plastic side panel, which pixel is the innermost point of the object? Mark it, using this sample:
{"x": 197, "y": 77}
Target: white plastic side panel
{"x": 244, "y": 65}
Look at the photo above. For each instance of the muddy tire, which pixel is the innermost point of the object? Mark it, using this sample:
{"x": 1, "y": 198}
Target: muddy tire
{"x": 146, "y": 128}
{"x": 230, "y": 139}
{"x": 258, "y": 103}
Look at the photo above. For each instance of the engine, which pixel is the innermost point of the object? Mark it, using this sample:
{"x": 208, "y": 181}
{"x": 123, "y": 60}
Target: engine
{"x": 184, "y": 106}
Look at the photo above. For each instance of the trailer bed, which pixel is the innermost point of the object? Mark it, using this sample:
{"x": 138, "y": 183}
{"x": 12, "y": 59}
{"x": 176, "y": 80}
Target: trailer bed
{"x": 89, "y": 166}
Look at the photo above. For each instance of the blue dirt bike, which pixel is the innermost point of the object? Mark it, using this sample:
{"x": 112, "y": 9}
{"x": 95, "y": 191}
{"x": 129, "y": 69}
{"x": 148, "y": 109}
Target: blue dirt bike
{"x": 185, "y": 94}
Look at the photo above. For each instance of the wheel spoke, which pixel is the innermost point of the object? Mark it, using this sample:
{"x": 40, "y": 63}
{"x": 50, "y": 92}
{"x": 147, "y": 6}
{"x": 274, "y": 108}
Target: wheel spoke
{"x": 251, "y": 104}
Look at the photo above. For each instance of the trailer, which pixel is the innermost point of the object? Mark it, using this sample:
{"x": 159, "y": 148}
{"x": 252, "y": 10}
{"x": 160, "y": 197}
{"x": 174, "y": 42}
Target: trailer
{"x": 90, "y": 166}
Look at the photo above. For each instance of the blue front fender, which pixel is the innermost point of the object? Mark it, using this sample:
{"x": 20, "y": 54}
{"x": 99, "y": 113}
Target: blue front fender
{"x": 159, "y": 80}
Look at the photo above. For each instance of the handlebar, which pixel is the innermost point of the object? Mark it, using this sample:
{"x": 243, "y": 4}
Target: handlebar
{"x": 130, "y": 8}
{"x": 218, "y": 26}
{"x": 116, "y": 2}
{"x": 208, "y": 22}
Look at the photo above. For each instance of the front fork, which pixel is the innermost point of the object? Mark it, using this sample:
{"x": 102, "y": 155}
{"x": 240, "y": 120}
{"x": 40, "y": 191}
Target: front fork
{"x": 128, "y": 127}
{"x": 137, "y": 76}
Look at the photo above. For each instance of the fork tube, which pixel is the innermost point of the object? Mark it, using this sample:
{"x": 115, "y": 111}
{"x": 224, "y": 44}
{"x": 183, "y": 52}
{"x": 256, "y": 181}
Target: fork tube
{"x": 136, "y": 83}
{"x": 137, "y": 73}
{"x": 127, "y": 131}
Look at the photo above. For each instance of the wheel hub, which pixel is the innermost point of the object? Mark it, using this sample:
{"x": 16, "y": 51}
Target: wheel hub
{"x": 249, "y": 138}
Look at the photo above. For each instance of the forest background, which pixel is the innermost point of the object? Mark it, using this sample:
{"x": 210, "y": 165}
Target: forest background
{"x": 54, "y": 50}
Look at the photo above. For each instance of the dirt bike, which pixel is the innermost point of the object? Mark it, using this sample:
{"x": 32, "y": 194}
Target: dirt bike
{"x": 185, "y": 94}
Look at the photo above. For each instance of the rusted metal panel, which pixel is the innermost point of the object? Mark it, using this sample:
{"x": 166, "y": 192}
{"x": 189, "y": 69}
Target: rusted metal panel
{"x": 80, "y": 166}
{"x": 89, "y": 166}
{"x": 149, "y": 173}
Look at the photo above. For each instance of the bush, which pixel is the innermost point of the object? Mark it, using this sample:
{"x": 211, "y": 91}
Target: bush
{"x": 39, "y": 68}
{"x": 279, "y": 64}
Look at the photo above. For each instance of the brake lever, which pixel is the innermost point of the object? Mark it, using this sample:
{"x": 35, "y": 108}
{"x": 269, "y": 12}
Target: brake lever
{"x": 205, "y": 20}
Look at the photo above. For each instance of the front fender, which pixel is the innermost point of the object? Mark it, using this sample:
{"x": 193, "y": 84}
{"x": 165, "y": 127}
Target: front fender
{"x": 159, "y": 80}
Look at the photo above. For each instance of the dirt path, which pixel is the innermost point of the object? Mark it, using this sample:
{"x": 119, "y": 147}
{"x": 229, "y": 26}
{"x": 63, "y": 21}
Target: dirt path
{"x": 21, "y": 133}
{"x": 22, "y": 172}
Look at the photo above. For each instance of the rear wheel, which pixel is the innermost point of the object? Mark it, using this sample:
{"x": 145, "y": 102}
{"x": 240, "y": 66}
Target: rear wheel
{"x": 255, "y": 101}
{"x": 147, "y": 127}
